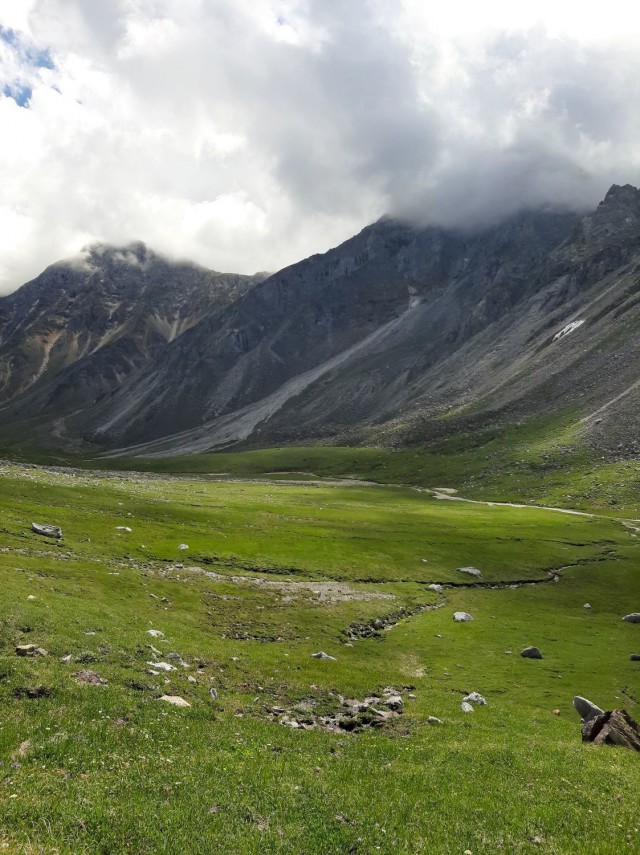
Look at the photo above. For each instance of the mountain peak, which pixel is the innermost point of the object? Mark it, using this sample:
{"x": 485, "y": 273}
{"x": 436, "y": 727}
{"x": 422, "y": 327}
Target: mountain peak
{"x": 621, "y": 194}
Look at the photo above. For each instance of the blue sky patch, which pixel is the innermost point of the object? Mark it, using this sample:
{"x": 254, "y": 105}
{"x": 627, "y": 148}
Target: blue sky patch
{"x": 32, "y": 55}
{"x": 20, "y": 94}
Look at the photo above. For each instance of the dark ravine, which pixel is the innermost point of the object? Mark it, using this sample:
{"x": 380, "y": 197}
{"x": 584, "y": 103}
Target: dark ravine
{"x": 400, "y": 335}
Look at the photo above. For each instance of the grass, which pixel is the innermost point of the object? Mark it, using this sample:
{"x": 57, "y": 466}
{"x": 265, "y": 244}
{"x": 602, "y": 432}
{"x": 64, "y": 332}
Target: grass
{"x": 278, "y": 572}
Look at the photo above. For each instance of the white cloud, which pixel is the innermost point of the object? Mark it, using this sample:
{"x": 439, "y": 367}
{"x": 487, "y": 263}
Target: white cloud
{"x": 247, "y": 134}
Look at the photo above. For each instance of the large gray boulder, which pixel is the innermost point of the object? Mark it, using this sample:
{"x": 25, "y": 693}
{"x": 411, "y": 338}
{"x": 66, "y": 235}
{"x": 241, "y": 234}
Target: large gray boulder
{"x": 531, "y": 653}
{"x": 47, "y": 530}
{"x": 586, "y": 709}
{"x": 634, "y": 617}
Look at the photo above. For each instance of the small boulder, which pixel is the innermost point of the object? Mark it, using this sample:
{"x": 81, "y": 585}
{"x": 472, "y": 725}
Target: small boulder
{"x": 433, "y": 720}
{"x": 155, "y": 633}
{"x": 465, "y": 707}
{"x": 470, "y": 571}
{"x": 394, "y": 702}
{"x": 435, "y": 587}
{"x": 162, "y": 666}
{"x": 123, "y": 528}
{"x": 586, "y": 709}
{"x": 475, "y": 698}
{"x": 176, "y": 700}
{"x": 323, "y": 655}
{"x": 634, "y": 617}
{"x": 635, "y": 657}
{"x": 184, "y": 546}
{"x": 47, "y": 530}
{"x": 612, "y": 728}
{"x": 586, "y": 606}
{"x": 531, "y": 653}
{"x": 30, "y": 650}
{"x": 461, "y": 617}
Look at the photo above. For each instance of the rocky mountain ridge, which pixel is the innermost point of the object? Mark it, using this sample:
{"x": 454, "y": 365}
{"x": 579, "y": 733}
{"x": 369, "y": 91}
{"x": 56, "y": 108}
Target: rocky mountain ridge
{"x": 400, "y": 332}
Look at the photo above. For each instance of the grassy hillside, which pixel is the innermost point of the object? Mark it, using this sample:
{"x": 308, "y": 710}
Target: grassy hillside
{"x": 277, "y": 572}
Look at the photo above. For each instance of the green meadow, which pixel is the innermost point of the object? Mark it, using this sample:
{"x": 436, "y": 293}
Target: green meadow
{"x": 287, "y": 557}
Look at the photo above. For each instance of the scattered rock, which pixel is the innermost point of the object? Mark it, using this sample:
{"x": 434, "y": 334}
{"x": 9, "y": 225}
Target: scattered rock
{"x": 175, "y": 657}
{"x": 213, "y": 693}
{"x": 586, "y": 606}
{"x": 47, "y": 530}
{"x": 31, "y": 597}
{"x": 162, "y": 666}
{"x": 191, "y": 679}
{"x": 585, "y": 708}
{"x": 461, "y": 617}
{"x": 634, "y": 617}
{"x": 635, "y": 657}
{"x": 471, "y": 571}
{"x": 155, "y": 633}
{"x": 164, "y": 600}
{"x": 433, "y": 720}
{"x": 176, "y": 700}
{"x": 89, "y": 678}
{"x": 435, "y": 587}
{"x": 531, "y": 653}
{"x": 30, "y": 650}
{"x": 555, "y": 712}
{"x": 612, "y": 728}
{"x": 323, "y": 655}
{"x": 508, "y": 652}
{"x": 465, "y": 707}
{"x": 475, "y": 698}
{"x": 66, "y": 658}
{"x": 123, "y": 528}
{"x": 184, "y": 546}
{"x": 394, "y": 702}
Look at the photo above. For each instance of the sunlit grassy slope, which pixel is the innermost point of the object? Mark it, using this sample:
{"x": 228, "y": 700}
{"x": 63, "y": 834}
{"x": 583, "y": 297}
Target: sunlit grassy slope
{"x": 276, "y": 572}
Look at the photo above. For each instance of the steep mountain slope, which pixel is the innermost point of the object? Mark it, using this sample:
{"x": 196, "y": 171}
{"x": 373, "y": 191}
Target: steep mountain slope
{"x": 398, "y": 335}
{"x": 78, "y": 332}
{"x": 391, "y": 285}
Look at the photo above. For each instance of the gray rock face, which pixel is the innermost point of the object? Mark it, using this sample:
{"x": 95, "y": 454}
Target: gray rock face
{"x": 634, "y": 617}
{"x": 462, "y": 617}
{"x": 47, "y": 530}
{"x": 586, "y": 709}
{"x": 531, "y": 653}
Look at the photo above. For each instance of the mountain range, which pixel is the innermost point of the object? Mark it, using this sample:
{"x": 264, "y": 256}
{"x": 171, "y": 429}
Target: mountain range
{"x": 400, "y": 335}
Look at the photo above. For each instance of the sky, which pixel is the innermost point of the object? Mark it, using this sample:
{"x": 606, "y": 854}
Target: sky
{"x": 249, "y": 134}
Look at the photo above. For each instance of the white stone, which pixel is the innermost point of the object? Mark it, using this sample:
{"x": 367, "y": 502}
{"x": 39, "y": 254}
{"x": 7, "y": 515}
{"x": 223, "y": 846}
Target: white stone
{"x": 176, "y": 700}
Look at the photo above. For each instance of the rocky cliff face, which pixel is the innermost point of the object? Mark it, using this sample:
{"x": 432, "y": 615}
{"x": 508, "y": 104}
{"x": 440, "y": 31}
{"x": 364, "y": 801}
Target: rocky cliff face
{"x": 86, "y": 325}
{"x": 381, "y": 335}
